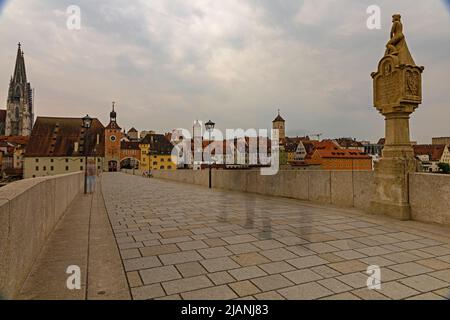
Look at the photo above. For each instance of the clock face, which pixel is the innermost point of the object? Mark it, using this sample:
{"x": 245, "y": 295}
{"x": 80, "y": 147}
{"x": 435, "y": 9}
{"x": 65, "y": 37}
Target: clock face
{"x": 113, "y": 138}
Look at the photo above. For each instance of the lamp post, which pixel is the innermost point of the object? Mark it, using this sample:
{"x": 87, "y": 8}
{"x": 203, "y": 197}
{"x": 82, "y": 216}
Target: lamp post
{"x": 210, "y": 127}
{"x": 87, "y": 121}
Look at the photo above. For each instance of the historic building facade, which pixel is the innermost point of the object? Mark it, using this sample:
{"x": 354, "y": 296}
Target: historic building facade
{"x": 62, "y": 145}
{"x": 19, "y": 109}
{"x": 113, "y": 137}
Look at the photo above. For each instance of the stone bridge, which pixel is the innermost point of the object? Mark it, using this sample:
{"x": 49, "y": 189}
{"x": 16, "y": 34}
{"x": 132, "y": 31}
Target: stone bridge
{"x": 148, "y": 238}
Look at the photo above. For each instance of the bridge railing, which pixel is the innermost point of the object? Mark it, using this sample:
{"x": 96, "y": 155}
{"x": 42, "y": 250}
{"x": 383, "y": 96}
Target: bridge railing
{"x": 29, "y": 212}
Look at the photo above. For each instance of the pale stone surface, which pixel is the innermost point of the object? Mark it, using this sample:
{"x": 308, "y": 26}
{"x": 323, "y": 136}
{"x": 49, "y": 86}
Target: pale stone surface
{"x": 247, "y": 273}
{"x": 395, "y": 290}
{"x": 244, "y": 288}
{"x": 247, "y": 263}
{"x": 190, "y": 269}
{"x": 270, "y": 295}
{"x": 356, "y": 280}
{"x": 159, "y": 274}
{"x": 147, "y": 292}
{"x": 272, "y": 282}
{"x": 213, "y": 293}
{"x": 215, "y": 252}
{"x": 221, "y": 277}
{"x": 305, "y": 291}
{"x": 219, "y": 264}
{"x": 186, "y": 284}
{"x": 342, "y": 296}
{"x": 250, "y": 259}
{"x": 51, "y": 197}
{"x": 180, "y": 257}
{"x": 306, "y": 262}
{"x": 302, "y": 276}
{"x": 424, "y": 283}
{"x": 141, "y": 263}
{"x": 276, "y": 267}
{"x": 334, "y": 285}
{"x": 410, "y": 268}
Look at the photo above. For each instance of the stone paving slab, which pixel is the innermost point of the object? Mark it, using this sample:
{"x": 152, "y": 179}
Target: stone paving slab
{"x": 181, "y": 241}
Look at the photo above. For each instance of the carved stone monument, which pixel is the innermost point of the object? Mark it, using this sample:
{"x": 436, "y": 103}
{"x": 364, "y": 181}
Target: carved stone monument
{"x": 397, "y": 91}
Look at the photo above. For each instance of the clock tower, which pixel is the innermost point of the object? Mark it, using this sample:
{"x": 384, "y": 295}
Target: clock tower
{"x": 113, "y": 136}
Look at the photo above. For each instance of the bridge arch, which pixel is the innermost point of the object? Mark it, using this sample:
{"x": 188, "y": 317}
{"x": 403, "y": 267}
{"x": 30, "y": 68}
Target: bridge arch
{"x": 130, "y": 162}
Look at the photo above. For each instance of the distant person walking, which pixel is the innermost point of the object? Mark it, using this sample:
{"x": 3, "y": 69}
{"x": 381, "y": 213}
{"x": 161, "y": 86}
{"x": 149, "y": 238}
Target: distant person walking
{"x": 91, "y": 176}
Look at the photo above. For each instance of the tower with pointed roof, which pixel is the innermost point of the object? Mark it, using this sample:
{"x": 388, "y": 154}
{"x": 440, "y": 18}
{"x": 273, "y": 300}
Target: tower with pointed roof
{"x": 19, "y": 110}
{"x": 113, "y": 136}
{"x": 280, "y": 124}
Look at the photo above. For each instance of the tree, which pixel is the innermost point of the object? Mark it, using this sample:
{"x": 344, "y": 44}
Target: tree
{"x": 444, "y": 167}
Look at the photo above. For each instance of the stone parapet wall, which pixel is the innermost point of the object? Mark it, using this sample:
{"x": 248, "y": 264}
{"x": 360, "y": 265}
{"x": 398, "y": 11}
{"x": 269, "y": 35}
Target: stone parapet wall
{"x": 429, "y": 197}
{"x": 341, "y": 188}
{"x": 29, "y": 211}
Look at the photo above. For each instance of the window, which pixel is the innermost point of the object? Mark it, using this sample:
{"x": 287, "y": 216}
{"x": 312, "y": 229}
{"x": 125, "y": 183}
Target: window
{"x": 161, "y": 167}
{"x": 98, "y": 160}
{"x": 81, "y": 168}
{"x": 67, "y": 160}
{"x": 98, "y": 167}
{"x": 52, "y": 168}
{"x": 67, "y": 168}
{"x": 34, "y": 176}
{"x": 37, "y": 160}
{"x": 37, "y": 168}
{"x": 51, "y": 160}
{"x": 169, "y": 167}
{"x": 81, "y": 160}
{"x": 155, "y": 163}
{"x": 45, "y": 168}
{"x": 162, "y": 159}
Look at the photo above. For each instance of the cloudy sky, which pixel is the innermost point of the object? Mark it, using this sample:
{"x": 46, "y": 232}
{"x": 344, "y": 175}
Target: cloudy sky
{"x": 169, "y": 62}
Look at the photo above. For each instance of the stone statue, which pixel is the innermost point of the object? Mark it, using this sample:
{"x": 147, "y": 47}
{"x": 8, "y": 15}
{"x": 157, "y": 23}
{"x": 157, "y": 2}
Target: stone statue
{"x": 396, "y": 45}
{"x": 397, "y": 92}
{"x": 397, "y": 36}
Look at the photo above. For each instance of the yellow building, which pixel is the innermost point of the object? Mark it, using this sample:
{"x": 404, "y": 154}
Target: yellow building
{"x": 145, "y": 149}
{"x": 156, "y": 153}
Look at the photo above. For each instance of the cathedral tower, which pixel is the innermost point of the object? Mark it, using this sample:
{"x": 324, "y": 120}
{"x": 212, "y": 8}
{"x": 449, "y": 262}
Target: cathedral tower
{"x": 19, "y": 110}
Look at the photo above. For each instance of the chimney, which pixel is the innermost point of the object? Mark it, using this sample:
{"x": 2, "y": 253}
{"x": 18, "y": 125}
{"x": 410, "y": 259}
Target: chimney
{"x": 75, "y": 147}
{"x": 98, "y": 138}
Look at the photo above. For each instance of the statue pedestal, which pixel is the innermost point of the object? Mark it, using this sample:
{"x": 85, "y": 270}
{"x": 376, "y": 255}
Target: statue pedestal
{"x": 391, "y": 183}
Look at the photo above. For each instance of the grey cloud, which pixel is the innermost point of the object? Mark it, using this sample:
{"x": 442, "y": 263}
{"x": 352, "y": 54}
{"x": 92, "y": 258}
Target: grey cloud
{"x": 168, "y": 62}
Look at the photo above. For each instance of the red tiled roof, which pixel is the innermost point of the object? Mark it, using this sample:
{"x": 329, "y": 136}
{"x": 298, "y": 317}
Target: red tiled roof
{"x": 434, "y": 151}
{"x": 342, "y": 153}
{"x": 22, "y": 140}
{"x": 56, "y": 137}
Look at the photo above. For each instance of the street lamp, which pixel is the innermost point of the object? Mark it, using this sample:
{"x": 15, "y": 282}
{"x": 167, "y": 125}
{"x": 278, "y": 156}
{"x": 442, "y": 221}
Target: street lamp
{"x": 210, "y": 127}
{"x": 87, "y": 121}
